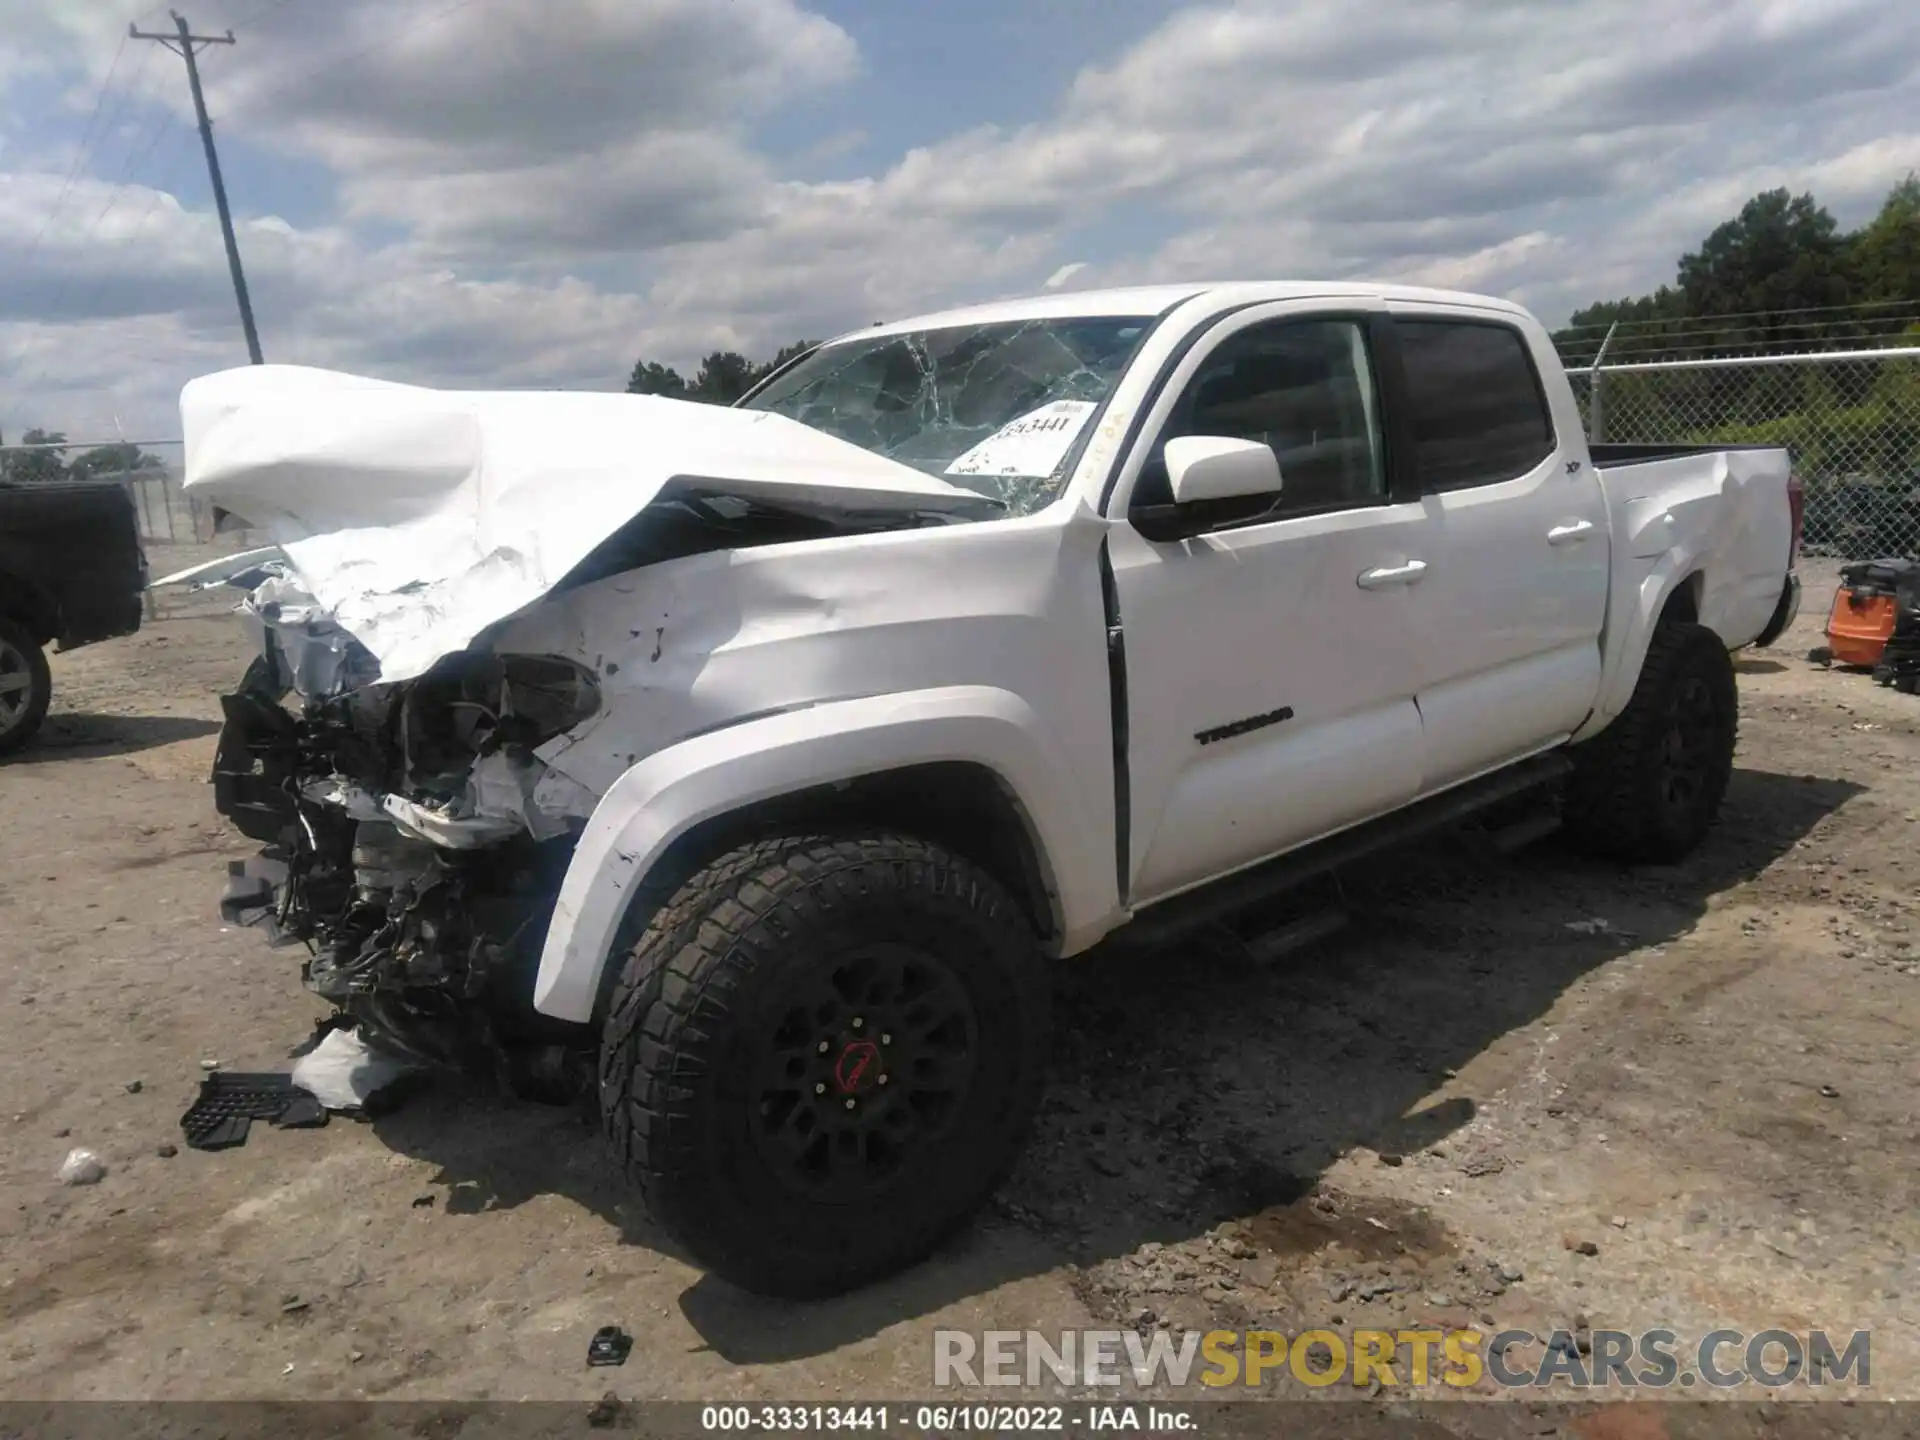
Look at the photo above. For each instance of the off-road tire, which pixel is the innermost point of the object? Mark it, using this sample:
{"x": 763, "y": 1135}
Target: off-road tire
{"x": 1649, "y": 786}
{"x": 705, "y": 1008}
{"x": 19, "y": 648}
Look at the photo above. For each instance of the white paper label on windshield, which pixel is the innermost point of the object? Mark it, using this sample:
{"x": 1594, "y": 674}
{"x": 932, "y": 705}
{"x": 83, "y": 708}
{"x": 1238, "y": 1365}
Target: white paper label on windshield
{"x": 1033, "y": 445}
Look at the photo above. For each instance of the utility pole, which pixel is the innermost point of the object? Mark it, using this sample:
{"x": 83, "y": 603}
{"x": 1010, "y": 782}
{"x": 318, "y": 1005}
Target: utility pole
{"x": 186, "y": 45}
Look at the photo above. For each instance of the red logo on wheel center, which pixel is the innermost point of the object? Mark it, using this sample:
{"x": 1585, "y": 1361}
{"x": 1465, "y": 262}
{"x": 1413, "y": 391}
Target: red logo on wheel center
{"x": 856, "y": 1067}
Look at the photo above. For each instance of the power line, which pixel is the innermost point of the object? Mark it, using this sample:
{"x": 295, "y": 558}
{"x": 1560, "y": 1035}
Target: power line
{"x": 133, "y": 162}
{"x": 80, "y": 151}
{"x": 157, "y": 190}
{"x": 167, "y": 133}
{"x": 137, "y": 155}
{"x": 187, "y": 46}
{"x": 85, "y": 147}
{"x": 134, "y": 156}
{"x": 263, "y": 9}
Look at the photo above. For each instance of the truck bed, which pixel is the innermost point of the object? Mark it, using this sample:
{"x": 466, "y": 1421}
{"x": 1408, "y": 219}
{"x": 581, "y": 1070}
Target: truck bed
{"x": 1721, "y": 512}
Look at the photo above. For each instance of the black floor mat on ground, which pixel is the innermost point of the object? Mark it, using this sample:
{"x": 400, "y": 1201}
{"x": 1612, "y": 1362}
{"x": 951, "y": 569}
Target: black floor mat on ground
{"x": 228, "y": 1104}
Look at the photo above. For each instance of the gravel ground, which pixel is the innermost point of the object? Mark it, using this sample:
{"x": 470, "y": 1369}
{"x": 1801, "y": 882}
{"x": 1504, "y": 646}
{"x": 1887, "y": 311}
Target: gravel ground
{"x": 1517, "y": 1092}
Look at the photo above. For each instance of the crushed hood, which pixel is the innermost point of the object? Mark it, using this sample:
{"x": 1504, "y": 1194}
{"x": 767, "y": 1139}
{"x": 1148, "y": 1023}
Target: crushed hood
{"x": 416, "y": 518}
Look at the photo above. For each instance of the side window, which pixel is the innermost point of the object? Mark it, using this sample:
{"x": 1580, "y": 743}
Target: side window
{"x": 1304, "y": 388}
{"x": 1479, "y": 413}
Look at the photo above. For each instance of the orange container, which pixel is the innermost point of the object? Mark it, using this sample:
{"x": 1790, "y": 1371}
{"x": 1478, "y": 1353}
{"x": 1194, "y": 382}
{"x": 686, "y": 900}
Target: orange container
{"x": 1859, "y": 626}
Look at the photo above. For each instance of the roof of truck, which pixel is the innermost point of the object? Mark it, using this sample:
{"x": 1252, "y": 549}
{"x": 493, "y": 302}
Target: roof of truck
{"x": 1158, "y": 299}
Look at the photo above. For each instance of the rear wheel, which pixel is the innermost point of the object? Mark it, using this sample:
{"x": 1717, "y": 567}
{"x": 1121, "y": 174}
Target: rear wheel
{"x": 822, "y": 1056}
{"x": 1649, "y": 786}
{"x": 26, "y": 685}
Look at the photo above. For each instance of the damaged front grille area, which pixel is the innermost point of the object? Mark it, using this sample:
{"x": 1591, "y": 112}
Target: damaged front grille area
{"x": 412, "y": 841}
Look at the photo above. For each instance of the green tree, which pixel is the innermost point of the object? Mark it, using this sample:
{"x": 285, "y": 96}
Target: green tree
{"x": 652, "y": 378}
{"x": 785, "y": 354}
{"x": 1886, "y": 253}
{"x": 1780, "y": 253}
{"x": 33, "y": 466}
{"x": 723, "y": 377}
{"x": 105, "y": 460}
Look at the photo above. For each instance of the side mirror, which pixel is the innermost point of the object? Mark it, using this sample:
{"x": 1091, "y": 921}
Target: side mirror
{"x": 1212, "y": 467}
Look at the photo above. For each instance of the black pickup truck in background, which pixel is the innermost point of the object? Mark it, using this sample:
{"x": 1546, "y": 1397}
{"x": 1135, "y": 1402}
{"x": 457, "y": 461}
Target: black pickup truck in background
{"x": 72, "y": 571}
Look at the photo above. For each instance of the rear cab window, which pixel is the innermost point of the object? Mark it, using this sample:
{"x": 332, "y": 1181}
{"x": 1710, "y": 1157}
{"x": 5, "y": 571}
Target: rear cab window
{"x": 1476, "y": 406}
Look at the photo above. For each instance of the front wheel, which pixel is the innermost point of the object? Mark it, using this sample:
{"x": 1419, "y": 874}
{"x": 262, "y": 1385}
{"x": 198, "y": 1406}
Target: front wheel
{"x": 26, "y": 685}
{"x": 1648, "y": 787}
{"x": 822, "y": 1055}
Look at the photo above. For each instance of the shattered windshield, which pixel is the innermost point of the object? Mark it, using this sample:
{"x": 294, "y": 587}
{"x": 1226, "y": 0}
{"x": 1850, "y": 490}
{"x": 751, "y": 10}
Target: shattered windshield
{"x": 1000, "y": 408}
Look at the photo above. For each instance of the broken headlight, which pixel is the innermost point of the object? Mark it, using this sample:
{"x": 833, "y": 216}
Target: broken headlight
{"x": 476, "y": 702}
{"x": 543, "y": 696}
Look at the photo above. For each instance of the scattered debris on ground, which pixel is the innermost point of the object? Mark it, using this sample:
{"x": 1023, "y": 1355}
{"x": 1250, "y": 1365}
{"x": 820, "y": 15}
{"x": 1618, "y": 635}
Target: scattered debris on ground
{"x": 605, "y": 1411}
{"x": 610, "y": 1345}
{"x": 348, "y": 1072}
{"x": 82, "y": 1167}
{"x": 229, "y": 1103}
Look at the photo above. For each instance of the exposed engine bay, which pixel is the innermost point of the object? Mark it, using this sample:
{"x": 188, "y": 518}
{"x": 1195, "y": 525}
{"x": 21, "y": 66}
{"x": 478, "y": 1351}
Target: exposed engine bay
{"x": 403, "y": 845}
{"x": 414, "y": 841}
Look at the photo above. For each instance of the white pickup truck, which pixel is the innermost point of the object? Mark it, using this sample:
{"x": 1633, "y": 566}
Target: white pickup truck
{"x": 756, "y": 762}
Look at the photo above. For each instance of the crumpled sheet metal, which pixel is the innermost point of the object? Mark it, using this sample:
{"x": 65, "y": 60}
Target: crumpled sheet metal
{"x": 418, "y": 517}
{"x": 505, "y": 794}
{"x": 319, "y": 656}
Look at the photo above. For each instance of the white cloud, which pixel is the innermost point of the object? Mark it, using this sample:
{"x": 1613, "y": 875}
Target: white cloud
{"x": 604, "y": 125}
{"x": 1555, "y": 153}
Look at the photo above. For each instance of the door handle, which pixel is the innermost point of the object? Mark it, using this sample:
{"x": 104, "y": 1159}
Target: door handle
{"x": 1571, "y": 534}
{"x": 1386, "y": 575}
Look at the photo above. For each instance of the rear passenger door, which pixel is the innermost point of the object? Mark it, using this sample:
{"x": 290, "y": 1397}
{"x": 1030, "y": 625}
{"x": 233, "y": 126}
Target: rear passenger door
{"x": 1515, "y": 595}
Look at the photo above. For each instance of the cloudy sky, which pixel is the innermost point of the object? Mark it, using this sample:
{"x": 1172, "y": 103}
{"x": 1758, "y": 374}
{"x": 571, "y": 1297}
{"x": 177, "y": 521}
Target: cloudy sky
{"x": 490, "y": 192}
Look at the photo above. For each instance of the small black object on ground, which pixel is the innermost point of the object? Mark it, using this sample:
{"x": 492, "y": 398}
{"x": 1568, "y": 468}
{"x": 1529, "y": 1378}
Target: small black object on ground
{"x": 228, "y": 1104}
{"x": 610, "y": 1346}
{"x": 605, "y": 1411}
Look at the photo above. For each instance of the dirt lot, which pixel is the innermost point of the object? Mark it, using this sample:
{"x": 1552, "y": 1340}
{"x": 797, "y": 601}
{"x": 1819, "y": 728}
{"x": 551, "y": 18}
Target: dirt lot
{"x": 1714, "y": 1090}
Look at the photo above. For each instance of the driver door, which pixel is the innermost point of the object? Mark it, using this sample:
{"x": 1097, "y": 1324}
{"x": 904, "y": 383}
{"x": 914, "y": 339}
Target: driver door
{"x": 1269, "y": 639}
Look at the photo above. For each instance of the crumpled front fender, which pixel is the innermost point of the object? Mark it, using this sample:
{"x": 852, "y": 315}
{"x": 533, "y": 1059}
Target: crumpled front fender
{"x": 710, "y": 776}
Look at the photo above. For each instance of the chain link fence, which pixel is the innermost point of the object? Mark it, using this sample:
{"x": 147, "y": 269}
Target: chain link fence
{"x": 1850, "y": 419}
{"x": 149, "y": 471}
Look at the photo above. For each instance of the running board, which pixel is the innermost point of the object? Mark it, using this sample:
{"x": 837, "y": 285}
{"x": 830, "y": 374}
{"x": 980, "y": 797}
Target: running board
{"x": 1277, "y": 943}
{"x": 1522, "y": 833}
{"x": 1196, "y": 909}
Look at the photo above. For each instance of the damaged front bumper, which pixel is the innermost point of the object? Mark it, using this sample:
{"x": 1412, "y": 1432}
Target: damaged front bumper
{"x": 412, "y": 842}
